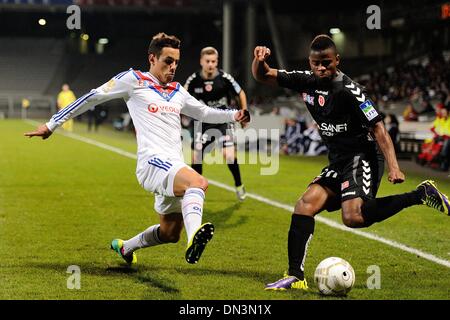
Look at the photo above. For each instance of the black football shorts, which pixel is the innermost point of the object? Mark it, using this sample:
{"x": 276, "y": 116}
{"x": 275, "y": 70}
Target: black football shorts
{"x": 223, "y": 133}
{"x": 357, "y": 176}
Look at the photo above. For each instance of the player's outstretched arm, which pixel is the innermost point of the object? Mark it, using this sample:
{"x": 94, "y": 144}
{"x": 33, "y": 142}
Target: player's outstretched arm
{"x": 261, "y": 71}
{"x": 117, "y": 87}
{"x": 387, "y": 147}
{"x": 42, "y": 131}
{"x": 200, "y": 111}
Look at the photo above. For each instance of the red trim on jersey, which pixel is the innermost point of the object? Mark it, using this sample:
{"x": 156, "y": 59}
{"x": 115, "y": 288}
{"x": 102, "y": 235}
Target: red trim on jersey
{"x": 169, "y": 88}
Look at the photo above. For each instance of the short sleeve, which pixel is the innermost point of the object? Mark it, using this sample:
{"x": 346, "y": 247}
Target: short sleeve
{"x": 233, "y": 85}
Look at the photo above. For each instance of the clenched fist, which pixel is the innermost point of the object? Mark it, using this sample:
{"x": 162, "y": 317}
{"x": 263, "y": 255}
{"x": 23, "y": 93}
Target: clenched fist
{"x": 261, "y": 53}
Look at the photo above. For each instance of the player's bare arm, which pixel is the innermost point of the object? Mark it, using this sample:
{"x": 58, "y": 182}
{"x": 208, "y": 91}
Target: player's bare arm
{"x": 262, "y": 72}
{"x": 385, "y": 143}
{"x": 242, "y": 100}
{"x": 243, "y": 104}
{"x": 42, "y": 131}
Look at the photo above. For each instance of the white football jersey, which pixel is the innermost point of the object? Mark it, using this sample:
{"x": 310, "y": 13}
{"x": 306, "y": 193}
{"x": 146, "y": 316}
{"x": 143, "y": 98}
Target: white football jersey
{"x": 154, "y": 109}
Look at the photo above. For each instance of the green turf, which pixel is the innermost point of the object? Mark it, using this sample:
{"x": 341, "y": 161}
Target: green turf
{"x": 62, "y": 201}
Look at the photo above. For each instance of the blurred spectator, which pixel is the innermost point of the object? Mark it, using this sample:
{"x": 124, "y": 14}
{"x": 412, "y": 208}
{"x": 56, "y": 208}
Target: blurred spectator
{"x": 65, "y": 98}
{"x": 392, "y": 126}
{"x": 275, "y": 111}
{"x": 292, "y": 140}
{"x": 123, "y": 123}
{"x": 417, "y": 82}
{"x": 313, "y": 144}
{"x": 435, "y": 152}
{"x": 96, "y": 116}
{"x": 444, "y": 162}
{"x": 409, "y": 114}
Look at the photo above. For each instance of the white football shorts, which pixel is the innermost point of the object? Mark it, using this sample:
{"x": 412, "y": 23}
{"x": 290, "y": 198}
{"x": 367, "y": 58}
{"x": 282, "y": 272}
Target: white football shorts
{"x": 157, "y": 176}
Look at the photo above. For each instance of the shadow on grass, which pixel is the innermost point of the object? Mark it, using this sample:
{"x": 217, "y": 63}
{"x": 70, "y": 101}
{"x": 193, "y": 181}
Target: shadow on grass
{"x": 261, "y": 277}
{"x": 146, "y": 275}
{"x": 221, "y": 218}
{"x": 152, "y": 277}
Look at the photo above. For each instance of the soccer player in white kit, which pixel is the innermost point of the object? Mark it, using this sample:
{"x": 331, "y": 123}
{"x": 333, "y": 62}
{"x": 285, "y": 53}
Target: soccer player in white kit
{"x": 155, "y": 103}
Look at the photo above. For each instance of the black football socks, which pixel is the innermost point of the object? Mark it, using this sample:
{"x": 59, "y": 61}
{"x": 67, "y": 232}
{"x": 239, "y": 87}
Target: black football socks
{"x": 197, "y": 167}
{"x": 234, "y": 168}
{"x": 379, "y": 209}
{"x": 300, "y": 235}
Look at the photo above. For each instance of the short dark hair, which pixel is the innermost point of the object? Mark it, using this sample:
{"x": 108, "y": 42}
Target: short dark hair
{"x": 162, "y": 40}
{"x": 322, "y": 42}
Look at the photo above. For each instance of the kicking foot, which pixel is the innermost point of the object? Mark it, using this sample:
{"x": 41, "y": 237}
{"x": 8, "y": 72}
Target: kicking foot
{"x": 198, "y": 242}
{"x": 117, "y": 246}
{"x": 433, "y": 198}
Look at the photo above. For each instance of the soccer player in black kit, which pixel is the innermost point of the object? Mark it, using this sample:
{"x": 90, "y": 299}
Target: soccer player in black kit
{"x": 353, "y": 130}
{"x": 215, "y": 88}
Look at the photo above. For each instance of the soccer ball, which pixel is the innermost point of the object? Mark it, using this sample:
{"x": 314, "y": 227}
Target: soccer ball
{"x": 334, "y": 276}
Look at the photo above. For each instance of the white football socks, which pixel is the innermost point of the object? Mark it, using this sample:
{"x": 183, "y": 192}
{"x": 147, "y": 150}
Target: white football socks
{"x": 192, "y": 209}
{"x": 147, "y": 238}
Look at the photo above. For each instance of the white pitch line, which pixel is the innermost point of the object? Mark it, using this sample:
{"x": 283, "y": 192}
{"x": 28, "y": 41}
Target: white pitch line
{"x": 277, "y": 204}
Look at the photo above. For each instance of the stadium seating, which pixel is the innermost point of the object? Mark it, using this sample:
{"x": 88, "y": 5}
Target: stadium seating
{"x": 30, "y": 64}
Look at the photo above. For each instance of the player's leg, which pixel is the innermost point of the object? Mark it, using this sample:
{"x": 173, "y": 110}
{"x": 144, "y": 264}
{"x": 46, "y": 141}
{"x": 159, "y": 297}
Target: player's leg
{"x": 230, "y": 156}
{"x": 316, "y": 198}
{"x": 192, "y": 186}
{"x": 357, "y": 213}
{"x": 301, "y": 230}
{"x": 197, "y": 146}
{"x": 197, "y": 157}
{"x": 361, "y": 208}
{"x": 167, "y": 231}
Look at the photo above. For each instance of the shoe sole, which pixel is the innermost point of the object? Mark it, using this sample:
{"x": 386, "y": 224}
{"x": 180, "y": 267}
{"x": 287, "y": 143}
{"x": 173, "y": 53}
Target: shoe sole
{"x": 284, "y": 289}
{"x": 199, "y": 241}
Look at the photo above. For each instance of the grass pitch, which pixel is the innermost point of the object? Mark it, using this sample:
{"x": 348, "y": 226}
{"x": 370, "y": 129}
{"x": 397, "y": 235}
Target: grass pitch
{"x": 62, "y": 201}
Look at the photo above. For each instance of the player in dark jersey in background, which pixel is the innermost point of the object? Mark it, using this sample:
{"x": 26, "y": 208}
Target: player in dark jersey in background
{"x": 216, "y": 89}
{"x": 354, "y": 133}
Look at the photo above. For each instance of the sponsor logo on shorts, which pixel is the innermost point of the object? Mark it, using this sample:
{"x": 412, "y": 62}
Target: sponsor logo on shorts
{"x": 350, "y": 193}
{"x": 368, "y": 109}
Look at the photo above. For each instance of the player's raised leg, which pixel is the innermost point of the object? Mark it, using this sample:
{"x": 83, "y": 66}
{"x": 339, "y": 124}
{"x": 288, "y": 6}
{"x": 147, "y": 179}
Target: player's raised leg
{"x": 301, "y": 231}
{"x": 192, "y": 187}
{"x": 357, "y": 213}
